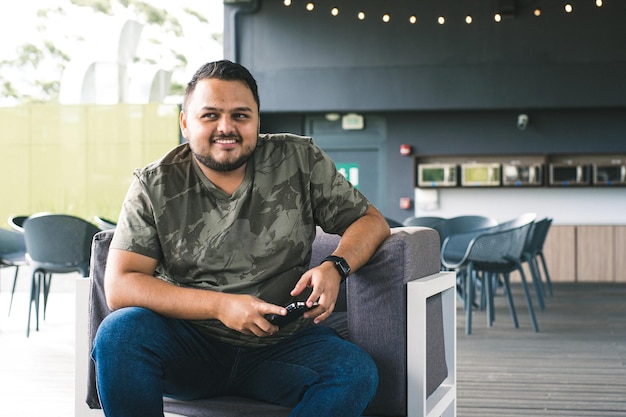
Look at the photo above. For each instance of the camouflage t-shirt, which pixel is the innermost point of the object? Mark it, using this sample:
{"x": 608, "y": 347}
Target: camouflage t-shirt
{"x": 256, "y": 241}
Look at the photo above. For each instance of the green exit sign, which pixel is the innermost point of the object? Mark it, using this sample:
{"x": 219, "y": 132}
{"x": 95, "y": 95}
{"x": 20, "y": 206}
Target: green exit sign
{"x": 351, "y": 172}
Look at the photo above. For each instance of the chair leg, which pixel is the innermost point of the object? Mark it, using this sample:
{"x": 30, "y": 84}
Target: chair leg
{"x": 460, "y": 285}
{"x": 488, "y": 297}
{"x": 17, "y": 269}
{"x": 537, "y": 282}
{"x": 480, "y": 280}
{"x": 529, "y": 301}
{"x": 509, "y": 298}
{"x": 469, "y": 298}
{"x": 33, "y": 291}
{"x": 547, "y": 275}
{"x": 493, "y": 288}
{"x": 47, "y": 280}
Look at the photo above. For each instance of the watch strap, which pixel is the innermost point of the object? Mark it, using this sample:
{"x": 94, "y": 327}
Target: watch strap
{"x": 340, "y": 264}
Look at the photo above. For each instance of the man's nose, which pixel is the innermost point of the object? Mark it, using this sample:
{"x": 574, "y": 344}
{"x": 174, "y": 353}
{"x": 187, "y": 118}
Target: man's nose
{"x": 225, "y": 125}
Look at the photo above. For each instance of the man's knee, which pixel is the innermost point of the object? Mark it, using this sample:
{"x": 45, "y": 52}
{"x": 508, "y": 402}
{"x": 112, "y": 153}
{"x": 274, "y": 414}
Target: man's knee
{"x": 362, "y": 373}
{"x": 123, "y": 327}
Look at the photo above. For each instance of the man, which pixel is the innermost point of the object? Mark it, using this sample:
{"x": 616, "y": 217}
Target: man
{"x": 213, "y": 240}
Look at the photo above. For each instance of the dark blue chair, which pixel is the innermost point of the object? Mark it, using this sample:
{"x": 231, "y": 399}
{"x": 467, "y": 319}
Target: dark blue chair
{"x": 55, "y": 244}
{"x": 486, "y": 254}
{"x": 426, "y": 221}
{"x": 12, "y": 254}
{"x": 533, "y": 252}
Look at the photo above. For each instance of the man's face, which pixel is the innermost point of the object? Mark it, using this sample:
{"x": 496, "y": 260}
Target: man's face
{"x": 221, "y": 123}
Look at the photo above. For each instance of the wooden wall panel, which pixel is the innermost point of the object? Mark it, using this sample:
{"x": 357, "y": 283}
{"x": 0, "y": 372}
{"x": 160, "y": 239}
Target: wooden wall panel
{"x": 560, "y": 253}
{"x": 595, "y": 254}
{"x": 620, "y": 253}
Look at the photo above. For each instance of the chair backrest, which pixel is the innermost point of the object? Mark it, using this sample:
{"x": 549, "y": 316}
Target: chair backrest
{"x": 11, "y": 241}
{"x": 393, "y": 223}
{"x": 425, "y": 221}
{"x": 105, "y": 224}
{"x": 463, "y": 224}
{"x": 520, "y": 220}
{"x": 503, "y": 243}
{"x": 538, "y": 235}
{"x": 17, "y": 223}
{"x": 59, "y": 240}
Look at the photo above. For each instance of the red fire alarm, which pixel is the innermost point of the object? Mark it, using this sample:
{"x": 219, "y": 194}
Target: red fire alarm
{"x": 405, "y": 203}
{"x": 405, "y": 149}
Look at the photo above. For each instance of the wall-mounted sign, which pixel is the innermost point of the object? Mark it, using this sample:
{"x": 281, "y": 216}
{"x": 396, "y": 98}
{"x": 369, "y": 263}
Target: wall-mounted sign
{"x": 352, "y": 121}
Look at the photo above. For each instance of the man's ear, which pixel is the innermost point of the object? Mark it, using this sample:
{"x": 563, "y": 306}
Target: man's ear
{"x": 182, "y": 120}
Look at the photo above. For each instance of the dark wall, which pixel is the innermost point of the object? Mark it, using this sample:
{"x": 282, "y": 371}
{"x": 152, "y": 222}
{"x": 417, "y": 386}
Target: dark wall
{"x": 308, "y": 61}
{"x": 480, "y": 132}
{"x": 451, "y": 89}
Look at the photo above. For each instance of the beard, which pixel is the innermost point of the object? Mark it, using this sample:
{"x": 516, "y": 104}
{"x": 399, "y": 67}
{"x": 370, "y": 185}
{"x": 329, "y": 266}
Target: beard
{"x": 227, "y": 164}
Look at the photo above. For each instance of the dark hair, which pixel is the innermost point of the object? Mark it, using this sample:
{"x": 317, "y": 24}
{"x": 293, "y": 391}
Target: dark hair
{"x": 222, "y": 70}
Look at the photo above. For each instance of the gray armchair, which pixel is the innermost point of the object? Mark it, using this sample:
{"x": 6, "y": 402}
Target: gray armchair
{"x": 398, "y": 307}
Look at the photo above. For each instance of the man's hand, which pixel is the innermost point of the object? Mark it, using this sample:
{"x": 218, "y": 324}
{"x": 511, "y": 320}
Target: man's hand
{"x": 247, "y": 314}
{"x": 324, "y": 281}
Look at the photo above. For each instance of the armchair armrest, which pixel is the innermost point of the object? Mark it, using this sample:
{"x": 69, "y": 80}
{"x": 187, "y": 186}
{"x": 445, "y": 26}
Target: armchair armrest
{"x": 81, "y": 364}
{"x": 441, "y": 402}
{"x": 377, "y": 317}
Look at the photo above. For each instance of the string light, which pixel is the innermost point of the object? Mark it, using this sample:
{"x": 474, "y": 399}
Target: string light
{"x": 441, "y": 20}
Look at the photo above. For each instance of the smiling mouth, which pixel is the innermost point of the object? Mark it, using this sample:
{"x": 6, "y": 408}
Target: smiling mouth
{"x": 225, "y": 141}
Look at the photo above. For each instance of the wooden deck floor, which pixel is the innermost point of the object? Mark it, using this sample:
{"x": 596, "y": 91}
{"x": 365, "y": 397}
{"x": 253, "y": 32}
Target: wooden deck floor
{"x": 576, "y": 365}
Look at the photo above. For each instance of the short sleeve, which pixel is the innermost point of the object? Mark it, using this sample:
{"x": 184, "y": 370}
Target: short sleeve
{"x": 136, "y": 230}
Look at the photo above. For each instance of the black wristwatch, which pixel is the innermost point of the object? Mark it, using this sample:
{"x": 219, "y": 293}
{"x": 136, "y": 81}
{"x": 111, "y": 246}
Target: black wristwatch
{"x": 342, "y": 266}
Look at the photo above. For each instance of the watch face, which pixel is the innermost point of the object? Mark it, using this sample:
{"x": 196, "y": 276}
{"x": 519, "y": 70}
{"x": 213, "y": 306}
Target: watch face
{"x": 343, "y": 265}
{"x": 340, "y": 264}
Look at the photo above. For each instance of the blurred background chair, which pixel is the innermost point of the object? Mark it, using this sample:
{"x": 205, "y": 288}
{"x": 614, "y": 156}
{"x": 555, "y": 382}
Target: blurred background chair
{"x": 393, "y": 223}
{"x": 12, "y": 254}
{"x": 426, "y": 221}
{"x": 17, "y": 223}
{"x": 55, "y": 244}
{"x": 105, "y": 224}
{"x": 533, "y": 251}
{"x": 462, "y": 224}
{"x": 459, "y": 225}
{"x": 484, "y": 255}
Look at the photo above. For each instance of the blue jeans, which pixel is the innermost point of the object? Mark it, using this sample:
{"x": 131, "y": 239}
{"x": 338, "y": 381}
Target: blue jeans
{"x": 141, "y": 356}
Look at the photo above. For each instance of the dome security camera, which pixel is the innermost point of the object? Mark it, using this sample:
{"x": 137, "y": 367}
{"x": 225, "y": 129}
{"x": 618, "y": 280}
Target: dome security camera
{"x": 522, "y": 121}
